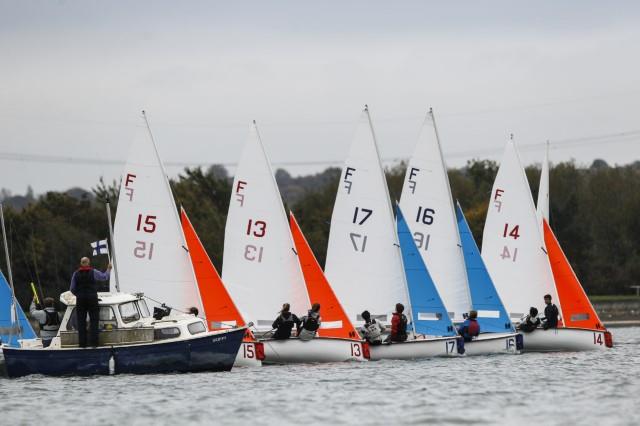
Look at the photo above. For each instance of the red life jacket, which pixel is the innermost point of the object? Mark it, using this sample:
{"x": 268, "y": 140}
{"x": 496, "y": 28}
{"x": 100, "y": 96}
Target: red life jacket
{"x": 473, "y": 329}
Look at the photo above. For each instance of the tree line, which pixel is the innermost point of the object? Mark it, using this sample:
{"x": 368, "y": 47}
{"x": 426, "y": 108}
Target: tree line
{"x": 594, "y": 212}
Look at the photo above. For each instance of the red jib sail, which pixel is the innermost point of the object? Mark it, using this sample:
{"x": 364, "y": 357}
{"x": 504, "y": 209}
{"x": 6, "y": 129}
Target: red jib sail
{"x": 219, "y": 309}
{"x": 577, "y": 310}
{"x": 335, "y": 322}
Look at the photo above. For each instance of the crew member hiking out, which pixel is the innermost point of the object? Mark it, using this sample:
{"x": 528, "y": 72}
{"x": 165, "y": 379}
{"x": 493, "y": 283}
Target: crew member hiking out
{"x": 310, "y": 323}
{"x": 48, "y": 318}
{"x": 470, "y": 327}
{"x": 84, "y": 286}
{"x": 372, "y": 329}
{"x": 530, "y": 322}
{"x": 285, "y": 323}
{"x": 550, "y": 313}
{"x": 398, "y": 325}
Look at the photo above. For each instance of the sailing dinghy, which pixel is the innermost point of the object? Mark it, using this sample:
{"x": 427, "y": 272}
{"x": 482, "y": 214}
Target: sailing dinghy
{"x": 581, "y": 328}
{"x": 261, "y": 268}
{"x": 153, "y": 257}
{"x": 426, "y": 198}
{"x": 219, "y": 310}
{"x": 364, "y": 263}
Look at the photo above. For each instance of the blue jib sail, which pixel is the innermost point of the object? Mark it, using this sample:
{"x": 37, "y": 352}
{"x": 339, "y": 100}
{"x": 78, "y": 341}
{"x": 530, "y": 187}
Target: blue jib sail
{"x": 429, "y": 314}
{"x": 492, "y": 316}
{"x": 11, "y": 332}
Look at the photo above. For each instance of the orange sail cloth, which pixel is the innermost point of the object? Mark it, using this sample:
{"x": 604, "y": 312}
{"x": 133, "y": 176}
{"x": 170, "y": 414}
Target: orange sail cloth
{"x": 335, "y": 322}
{"x": 577, "y": 310}
{"x": 219, "y": 309}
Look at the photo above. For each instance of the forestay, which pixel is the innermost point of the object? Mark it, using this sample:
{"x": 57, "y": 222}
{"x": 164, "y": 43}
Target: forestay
{"x": 492, "y": 315}
{"x": 151, "y": 253}
{"x": 427, "y": 202}
{"x": 430, "y": 317}
{"x": 363, "y": 258}
{"x": 260, "y": 267}
{"x": 12, "y": 328}
{"x": 512, "y": 246}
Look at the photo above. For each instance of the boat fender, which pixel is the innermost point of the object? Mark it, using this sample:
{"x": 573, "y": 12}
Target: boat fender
{"x": 460, "y": 345}
{"x": 259, "y": 349}
{"x": 519, "y": 342}
{"x": 366, "y": 353}
{"x": 608, "y": 339}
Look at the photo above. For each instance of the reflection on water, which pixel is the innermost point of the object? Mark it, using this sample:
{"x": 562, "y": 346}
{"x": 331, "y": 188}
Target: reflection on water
{"x": 567, "y": 388}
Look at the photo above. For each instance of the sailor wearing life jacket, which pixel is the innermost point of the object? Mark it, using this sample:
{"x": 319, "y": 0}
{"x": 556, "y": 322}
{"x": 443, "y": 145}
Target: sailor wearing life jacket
{"x": 372, "y": 330}
{"x": 470, "y": 327}
{"x": 48, "y": 318}
{"x": 550, "y": 313}
{"x": 310, "y": 323}
{"x": 85, "y": 288}
{"x": 398, "y": 325}
{"x": 285, "y": 323}
{"x": 530, "y": 322}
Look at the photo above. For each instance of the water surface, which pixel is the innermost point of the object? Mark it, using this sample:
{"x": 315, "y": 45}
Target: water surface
{"x": 600, "y": 387}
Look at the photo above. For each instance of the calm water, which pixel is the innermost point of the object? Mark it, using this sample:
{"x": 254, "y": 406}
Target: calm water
{"x": 590, "y": 388}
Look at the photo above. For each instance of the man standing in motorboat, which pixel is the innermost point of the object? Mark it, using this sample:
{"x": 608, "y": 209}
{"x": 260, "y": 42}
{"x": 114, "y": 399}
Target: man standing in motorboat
{"x": 550, "y": 313}
{"x": 48, "y": 319}
{"x": 285, "y": 323}
{"x": 310, "y": 323}
{"x": 470, "y": 327}
{"x": 84, "y": 286}
{"x": 530, "y": 322}
{"x": 398, "y": 325}
{"x": 372, "y": 330}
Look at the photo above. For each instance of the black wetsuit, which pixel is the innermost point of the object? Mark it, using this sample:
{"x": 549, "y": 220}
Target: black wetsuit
{"x": 551, "y": 316}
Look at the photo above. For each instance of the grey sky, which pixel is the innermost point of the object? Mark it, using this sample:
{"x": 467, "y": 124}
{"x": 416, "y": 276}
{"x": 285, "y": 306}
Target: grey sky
{"x": 74, "y": 76}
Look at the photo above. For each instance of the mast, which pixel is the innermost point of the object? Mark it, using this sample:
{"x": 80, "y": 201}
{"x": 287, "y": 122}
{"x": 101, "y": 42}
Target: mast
{"x": 113, "y": 249}
{"x": 14, "y": 311}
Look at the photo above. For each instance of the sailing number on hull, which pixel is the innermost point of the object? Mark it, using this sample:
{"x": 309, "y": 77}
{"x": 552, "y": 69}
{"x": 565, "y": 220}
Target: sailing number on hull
{"x": 356, "y": 350}
{"x": 597, "y": 339}
{"x": 248, "y": 352}
{"x": 510, "y": 231}
{"x": 360, "y": 216}
{"x": 449, "y": 346}
{"x": 511, "y": 344}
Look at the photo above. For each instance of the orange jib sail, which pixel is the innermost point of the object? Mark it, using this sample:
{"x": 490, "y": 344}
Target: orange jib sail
{"x": 577, "y": 310}
{"x": 335, "y": 322}
{"x": 219, "y": 309}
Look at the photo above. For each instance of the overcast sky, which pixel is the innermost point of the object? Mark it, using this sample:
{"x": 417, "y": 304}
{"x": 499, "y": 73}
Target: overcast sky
{"x": 74, "y": 76}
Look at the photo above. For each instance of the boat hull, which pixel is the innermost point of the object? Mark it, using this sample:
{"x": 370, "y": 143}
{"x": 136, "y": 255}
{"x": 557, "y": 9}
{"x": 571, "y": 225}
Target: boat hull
{"x": 211, "y": 352}
{"x": 418, "y": 348}
{"x": 494, "y": 343}
{"x": 319, "y": 349}
{"x": 247, "y": 356}
{"x": 566, "y": 339}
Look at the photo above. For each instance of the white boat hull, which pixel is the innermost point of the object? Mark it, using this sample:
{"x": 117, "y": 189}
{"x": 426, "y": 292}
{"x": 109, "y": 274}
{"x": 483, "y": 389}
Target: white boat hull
{"x": 565, "y": 340}
{"x": 247, "y": 356}
{"x": 494, "y": 343}
{"x": 417, "y": 348}
{"x": 319, "y": 349}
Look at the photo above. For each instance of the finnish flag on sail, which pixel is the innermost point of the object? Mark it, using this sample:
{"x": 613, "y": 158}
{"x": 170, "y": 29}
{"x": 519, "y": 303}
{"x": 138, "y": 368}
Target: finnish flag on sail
{"x": 100, "y": 247}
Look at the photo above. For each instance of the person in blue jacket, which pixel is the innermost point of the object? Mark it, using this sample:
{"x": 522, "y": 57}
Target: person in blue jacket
{"x": 470, "y": 327}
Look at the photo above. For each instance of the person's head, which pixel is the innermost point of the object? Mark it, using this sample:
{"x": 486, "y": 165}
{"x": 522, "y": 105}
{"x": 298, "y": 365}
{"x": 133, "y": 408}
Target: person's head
{"x": 366, "y": 316}
{"x": 533, "y": 312}
{"x": 547, "y": 299}
{"x": 194, "y": 311}
{"x": 49, "y": 302}
{"x": 315, "y": 307}
{"x": 85, "y": 261}
{"x": 285, "y": 308}
{"x": 473, "y": 314}
{"x": 399, "y": 308}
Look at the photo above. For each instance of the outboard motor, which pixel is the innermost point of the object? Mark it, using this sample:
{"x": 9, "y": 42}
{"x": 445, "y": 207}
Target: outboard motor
{"x": 161, "y": 312}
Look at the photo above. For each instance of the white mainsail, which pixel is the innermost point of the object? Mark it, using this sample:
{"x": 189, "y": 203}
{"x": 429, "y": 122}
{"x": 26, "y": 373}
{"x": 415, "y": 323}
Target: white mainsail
{"x": 149, "y": 244}
{"x": 363, "y": 262}
{"x": 512, "y": 245}
{"x": 542, "y": 206}
{"x": 427, "y": 204}
{"x": 260, "y": 268}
